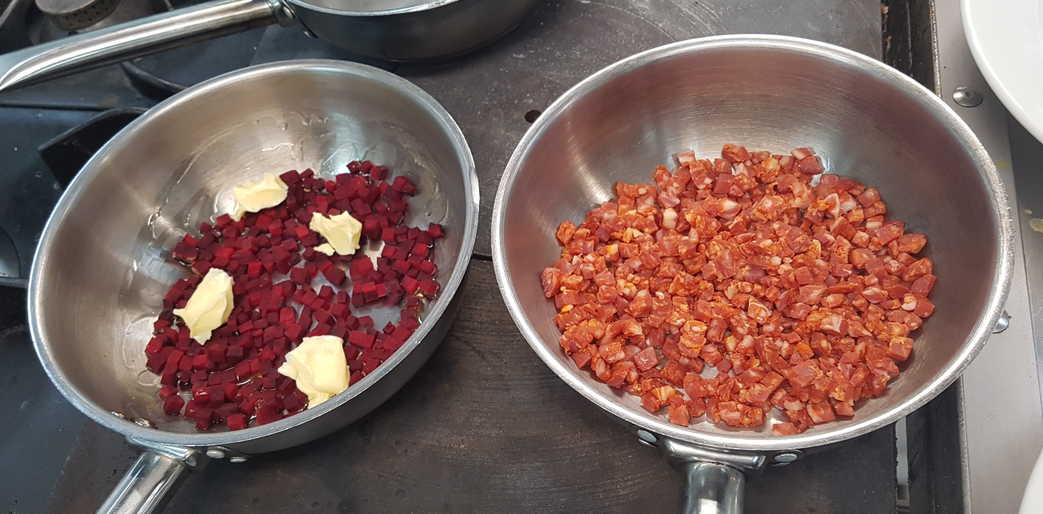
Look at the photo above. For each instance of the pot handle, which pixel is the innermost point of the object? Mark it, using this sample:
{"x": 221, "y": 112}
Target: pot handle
{"x": 714, "y": 480}
{"x": 141, "y": 37}
{"x": 149, "y": 482}
{"x": 712, "y": 488}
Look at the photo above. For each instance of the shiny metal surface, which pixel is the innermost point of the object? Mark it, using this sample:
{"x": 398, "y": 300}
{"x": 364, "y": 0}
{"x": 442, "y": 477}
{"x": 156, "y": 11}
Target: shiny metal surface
{"x": 864, "y": 118}
{"x": 144, "y": 487}
{"x": 117, "y": 43}
{"x": 720, "y": 489}
{"x": 414, "y": 31}
{"x": 101, "y": 269}
{"x": 714, "y": 480}
{"x": 1000, "y": 439}
{"x": 411, "y": 31}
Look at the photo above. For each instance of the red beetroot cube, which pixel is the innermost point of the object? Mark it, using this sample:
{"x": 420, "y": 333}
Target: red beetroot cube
{"x": 362, "y": 339}
{"x": 429, "y": 287}
{"x": 436, "y": 230}
{"x": 172, "y": 405}
{"x": 200, "y": 362}
{"x": 360, "y": 267}
{"x": 236, "y": 421}
{"x": 403, "y": 185}
{"x": 268, "y": 413}
{"x": 338, "y": 310}
{"x": 371, "y": 227}
{"x": 155, "y": 345}
{"x": 401, "y": 266}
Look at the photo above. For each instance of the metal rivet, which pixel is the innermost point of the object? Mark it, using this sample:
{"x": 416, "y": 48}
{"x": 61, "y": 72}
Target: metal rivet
{"x": 237, "y": 459}
{"x": 1002, "y": 324}
{"x": 785, "y": 458}
{"x": 966, "y": 97}
{"x": 647, "y": 438}
{"x": 215, "y": 453}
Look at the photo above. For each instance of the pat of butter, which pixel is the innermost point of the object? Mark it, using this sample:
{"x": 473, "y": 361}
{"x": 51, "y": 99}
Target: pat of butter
{"x": 209, "y": 305}
{"x": 324, "y": 248}
{"x": 269, "y": 191}
{"x": 342, "y": 232}
{"x": 319, "y": 368}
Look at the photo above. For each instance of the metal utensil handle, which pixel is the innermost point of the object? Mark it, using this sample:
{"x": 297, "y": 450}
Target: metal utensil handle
{"x": 714, "y": 479}
{"x": 148, "y": 482}
{"x": 712, "y": 488}
{"x": 142, "y": 37}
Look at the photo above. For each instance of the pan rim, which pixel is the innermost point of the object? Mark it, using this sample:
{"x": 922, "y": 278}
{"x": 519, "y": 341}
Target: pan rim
{"x": 230, "y": 438}
{"x": 420, "y": 7}
{"x": 976, "y": 338}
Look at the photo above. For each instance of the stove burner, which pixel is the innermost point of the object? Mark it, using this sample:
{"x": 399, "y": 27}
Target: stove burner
{"x": 77, "y": 14}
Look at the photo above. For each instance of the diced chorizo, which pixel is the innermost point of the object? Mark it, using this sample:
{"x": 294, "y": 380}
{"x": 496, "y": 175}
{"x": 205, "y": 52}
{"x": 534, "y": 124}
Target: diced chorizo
{"x": 550, "y": 278}
{"x": 922, "y": 286}
{"x": 912, "y": 243}
{"x": 803, "y": 297}
{"x": 565, "y": 232}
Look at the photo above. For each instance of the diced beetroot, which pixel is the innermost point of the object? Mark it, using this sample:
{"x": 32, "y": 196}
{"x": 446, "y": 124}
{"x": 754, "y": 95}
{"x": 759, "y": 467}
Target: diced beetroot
{"x": 429, "y": 287}
{"x": 436, "y": 230}
{"x": 361, "y": 339}
{"x": 268, "y": 413}
{"x": 236, "y": 421}
{"x": 334, "y": 274}
{"x": 427, "y": 267}
{"x": 371, "y": 227}
{"x": 172, "y": 405}
{"x": 403, "y": 185}
{"x": 233, "y": 377}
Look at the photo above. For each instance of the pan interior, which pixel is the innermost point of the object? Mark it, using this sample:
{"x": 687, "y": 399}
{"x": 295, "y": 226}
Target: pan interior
{"x": 103, "y": 264}
{"x": 863, "y": 122}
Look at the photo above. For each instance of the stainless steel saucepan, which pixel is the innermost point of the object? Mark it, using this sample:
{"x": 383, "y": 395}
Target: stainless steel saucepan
{"x": 394, "y": 30}
{"x": 864, "y": 118}
{"x": 101, "y": 268}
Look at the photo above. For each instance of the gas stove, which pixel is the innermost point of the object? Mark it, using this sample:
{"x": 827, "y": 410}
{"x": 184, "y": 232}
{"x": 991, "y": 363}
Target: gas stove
{"x": 948, "y": 458}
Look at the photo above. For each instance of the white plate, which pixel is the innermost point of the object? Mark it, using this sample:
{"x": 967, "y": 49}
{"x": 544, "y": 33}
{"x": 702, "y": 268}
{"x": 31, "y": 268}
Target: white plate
{"x": 1032, "y": 500}
{"x": 1005, "y": 38}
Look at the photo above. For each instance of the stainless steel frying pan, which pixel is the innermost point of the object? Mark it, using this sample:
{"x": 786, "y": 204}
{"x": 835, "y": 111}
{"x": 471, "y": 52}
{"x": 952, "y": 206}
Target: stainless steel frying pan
{"x": 394, "y": 30}
{"x": 101, "y": 270}
{"x": 866, "y": 119}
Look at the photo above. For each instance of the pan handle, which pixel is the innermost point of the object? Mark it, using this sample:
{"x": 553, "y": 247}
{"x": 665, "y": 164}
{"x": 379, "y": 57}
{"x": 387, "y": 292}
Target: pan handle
{"x": 714, "y": 479}
{"x": 149, "y": 482}
{"x": 712, "y": 488}
{"x": 141, "y": 37}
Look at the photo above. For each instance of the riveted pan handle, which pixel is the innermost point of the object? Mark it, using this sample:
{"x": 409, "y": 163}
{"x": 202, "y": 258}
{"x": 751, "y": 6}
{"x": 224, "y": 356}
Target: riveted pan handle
{"x": 712, "y": 488}
{"x": 714, "y": 479}
{"x": 148, "y": 483}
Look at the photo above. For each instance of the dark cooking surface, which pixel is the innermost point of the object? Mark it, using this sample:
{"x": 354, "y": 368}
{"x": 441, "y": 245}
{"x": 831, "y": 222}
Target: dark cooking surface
{"x": 483, "y": 427}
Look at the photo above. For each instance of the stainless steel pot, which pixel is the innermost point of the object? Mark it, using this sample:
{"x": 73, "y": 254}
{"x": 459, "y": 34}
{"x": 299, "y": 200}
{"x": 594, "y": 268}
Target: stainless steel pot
{"x": 394, "y": 30}
{"x": 864, "y": 118}
{"x": 101, "y": 267}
